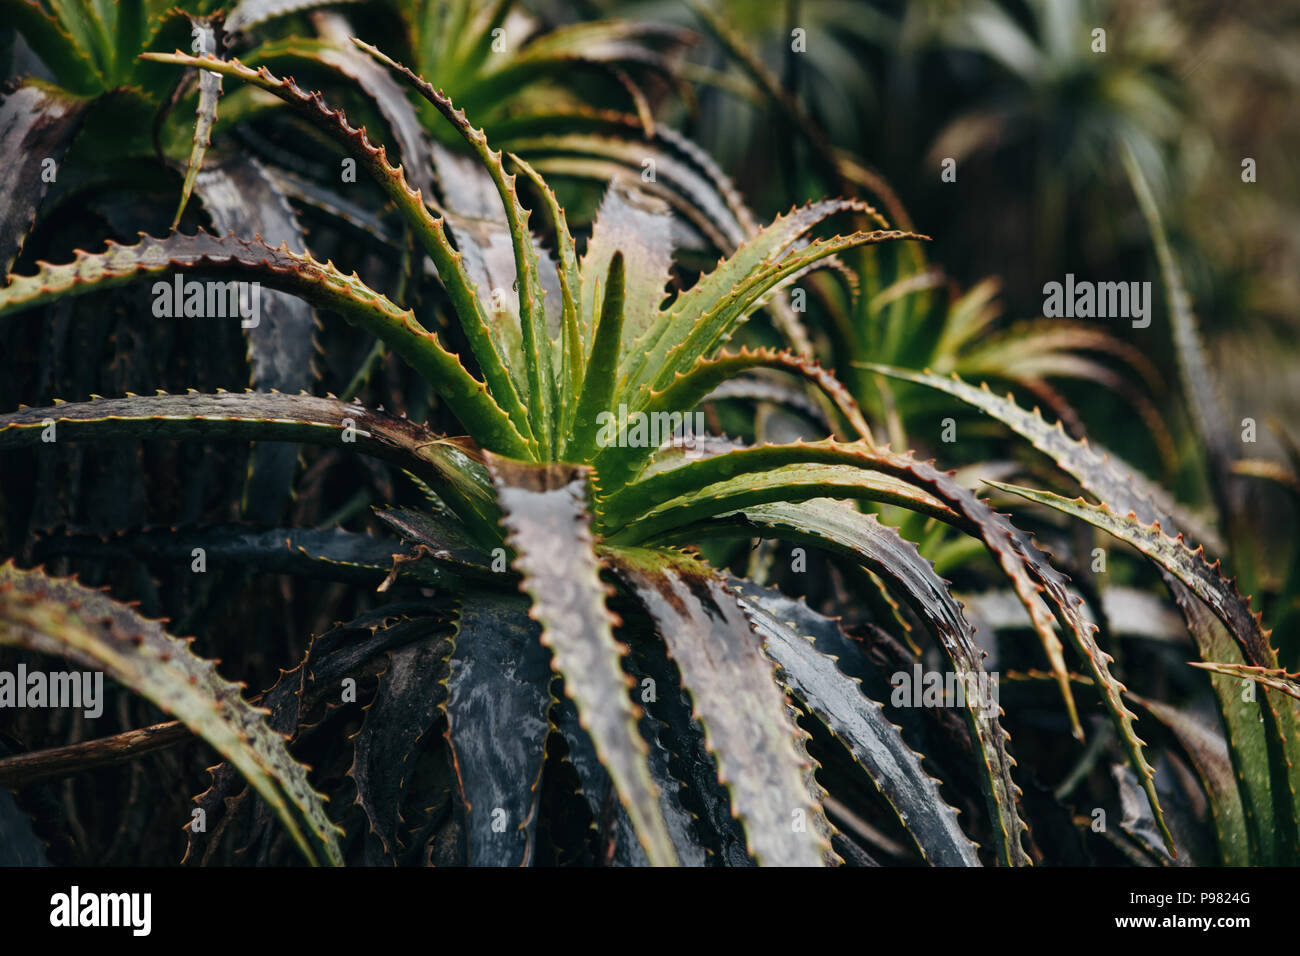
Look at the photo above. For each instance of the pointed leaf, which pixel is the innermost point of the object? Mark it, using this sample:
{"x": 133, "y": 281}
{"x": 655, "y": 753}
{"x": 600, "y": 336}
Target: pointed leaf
{"x": 638, "y": 226}
{"x": 319, "y": 283}
{"x": 431, "y": 231}
{"x": 736, "y": 700}
{"x": 205, "y": 38}
{"x": 1205, "y": 579}
{"x": 547, "y": 525}
{"x": 61, "y": 617}
{"x": 598, "y": 384}
{"x": 883, "y": 551}
{"x": 532, "y": 313}
{"x": 860, "y": 724}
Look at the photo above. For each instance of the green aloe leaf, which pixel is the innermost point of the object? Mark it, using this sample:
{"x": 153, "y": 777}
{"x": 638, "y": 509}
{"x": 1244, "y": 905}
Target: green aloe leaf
{"x": 790, "y": 483}
{"x": 699, "y": 330}
{"x": 1207, "y": 752}
{"x": 319, "y": 283}
{"x": 618, "y": 464}
{"x": 79, "y": 19}
{"x": 1266, "y": 776}
{"x": 574, "y": 341}
{"x": 430, "y": 230}
{"x": 544, "y": 513}
{"x": 131, "y": 31}
{"x": 765, "y": 247}
{"x": 639, "y": 227}
{"x": 532, "y": 311}
{"x": 69, "y": 60}
{"x": 736, "y": 700}
{"x": 61, "y": 617}
{"x": 598, "y": 384}
{"x": 739, "y": 477}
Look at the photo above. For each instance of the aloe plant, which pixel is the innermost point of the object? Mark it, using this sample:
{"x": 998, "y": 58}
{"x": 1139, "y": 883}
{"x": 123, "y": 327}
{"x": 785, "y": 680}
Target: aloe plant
{"x": 535, "y": 475}
{"x": 558, "y": 652}
{"x": 527, "y": 474}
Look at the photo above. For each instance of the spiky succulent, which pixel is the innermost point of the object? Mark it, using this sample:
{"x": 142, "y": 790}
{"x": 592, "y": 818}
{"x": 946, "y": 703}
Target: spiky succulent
{"x": 555, "y": 615}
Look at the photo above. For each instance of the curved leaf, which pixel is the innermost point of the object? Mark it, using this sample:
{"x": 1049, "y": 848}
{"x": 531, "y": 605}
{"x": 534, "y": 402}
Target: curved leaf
{"x": 698, "y": 330}
{"x": 598, "y": 383}
{"x": 883, "y": 551}
{"x": 532, "y": 313}
{"x": 319, "y": 283}
{"x": 61, "y": 617}
{"x": 431, "y": 231}
{"x": 765, "y": 247}
{"x": 619, "y": 464}
{"x": 247, "y": 415}
{"x": 736, "y": 700}
{"x": 1034, "y": 578}
{"x": 860, "y": 724}
{"x": 402, "y": 118}
{"x": 1190, "y": 567}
